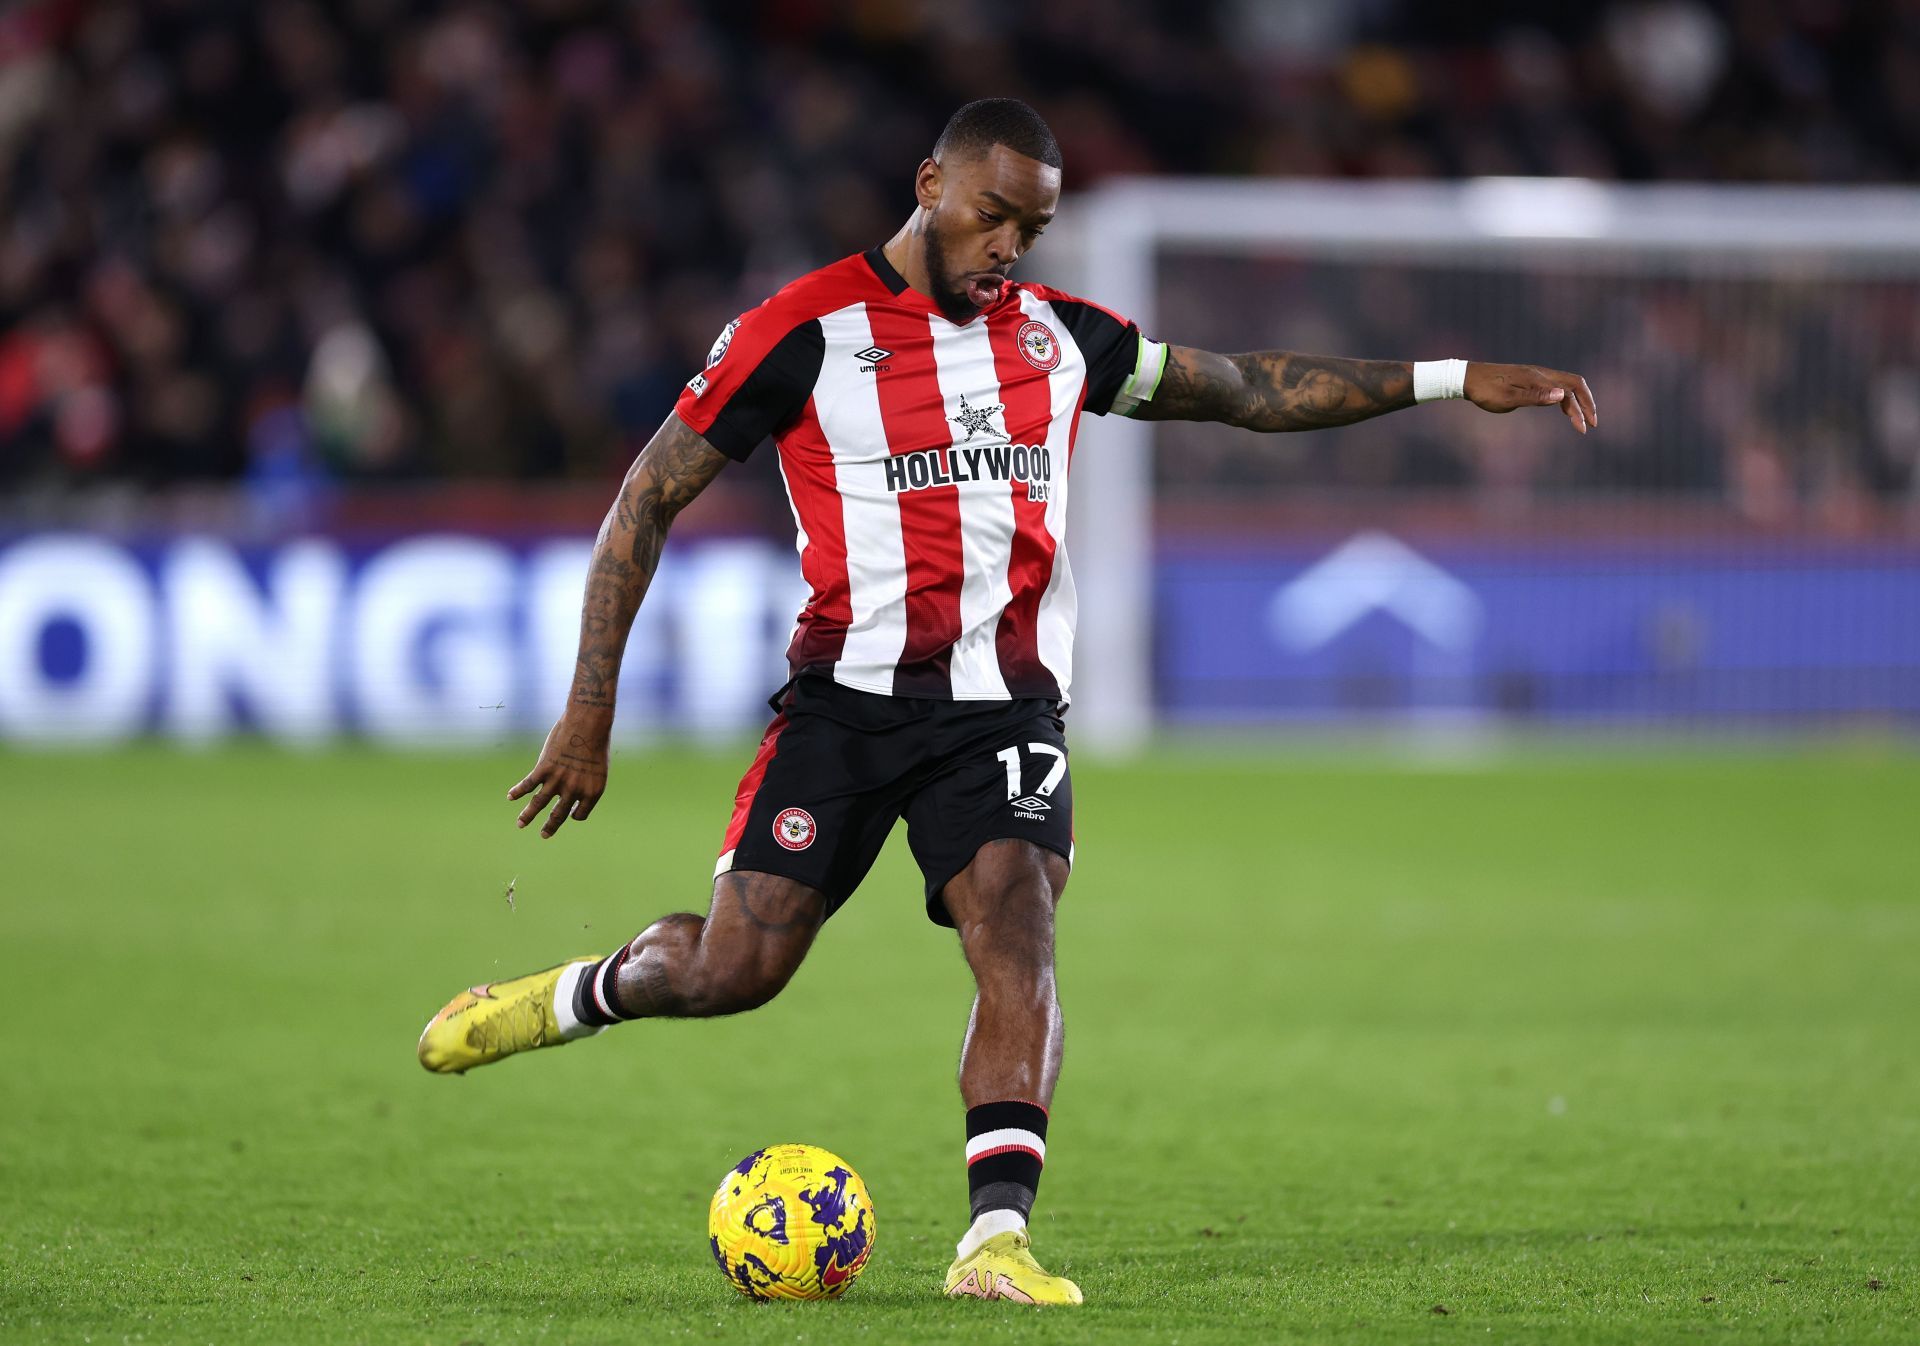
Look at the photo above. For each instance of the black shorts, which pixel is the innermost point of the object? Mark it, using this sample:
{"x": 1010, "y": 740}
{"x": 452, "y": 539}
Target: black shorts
{"x": 838, "y": 766}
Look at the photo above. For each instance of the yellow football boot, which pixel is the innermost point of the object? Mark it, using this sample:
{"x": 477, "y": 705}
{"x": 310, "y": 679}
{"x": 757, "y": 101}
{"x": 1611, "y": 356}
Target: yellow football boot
{"x": 1002, "y": 1268}
{"x": 484, "y": 1023}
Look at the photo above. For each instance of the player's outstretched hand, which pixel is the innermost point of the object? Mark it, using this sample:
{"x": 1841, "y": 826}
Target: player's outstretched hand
{"x": 571, "y": 775}
{"x": 1509, "y": 387}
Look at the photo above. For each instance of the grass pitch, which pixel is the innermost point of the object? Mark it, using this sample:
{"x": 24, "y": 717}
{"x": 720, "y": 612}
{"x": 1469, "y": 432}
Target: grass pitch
{"x": 1557, "y": 1049}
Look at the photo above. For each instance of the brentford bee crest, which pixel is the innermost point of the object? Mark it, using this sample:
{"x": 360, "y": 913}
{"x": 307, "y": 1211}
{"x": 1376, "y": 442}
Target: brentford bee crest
{"x": 794, "y": 829}
{"x": 1038, "y": 344}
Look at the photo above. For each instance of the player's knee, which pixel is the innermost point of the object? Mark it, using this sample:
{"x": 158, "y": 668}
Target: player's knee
{"x": 1017, "y": 931}
{"x": 1005, "y": 917}
{"x": 1010, "y": 886}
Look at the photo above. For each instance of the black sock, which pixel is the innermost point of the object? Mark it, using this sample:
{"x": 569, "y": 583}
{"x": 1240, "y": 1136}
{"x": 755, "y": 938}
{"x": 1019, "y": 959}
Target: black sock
{"x": 1006, "y": 1146}
{"x": 593, "y": 994}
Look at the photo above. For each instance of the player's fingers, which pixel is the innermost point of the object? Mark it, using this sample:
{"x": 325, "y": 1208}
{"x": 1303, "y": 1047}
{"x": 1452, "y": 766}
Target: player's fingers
{"x": 531, "y": 779}
{"x": 585, "y": 806}
{"x": 538, "y": 802}
{"x": 1546, "y": 397}
{"x": 1585, "y": 394}
{"x": 558, "y": 816}
{"x": 1572, "y": 407}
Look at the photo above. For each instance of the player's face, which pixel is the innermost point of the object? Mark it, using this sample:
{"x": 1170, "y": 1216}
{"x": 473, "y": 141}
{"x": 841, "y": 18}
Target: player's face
{"x": 982, "y": 215}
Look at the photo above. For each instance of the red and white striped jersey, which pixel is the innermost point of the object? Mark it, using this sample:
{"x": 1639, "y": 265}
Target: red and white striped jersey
{"x": 927, "y": 468}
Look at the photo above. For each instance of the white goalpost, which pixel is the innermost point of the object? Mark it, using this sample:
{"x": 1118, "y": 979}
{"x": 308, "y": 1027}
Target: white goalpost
{"x": 1111, "y": 245}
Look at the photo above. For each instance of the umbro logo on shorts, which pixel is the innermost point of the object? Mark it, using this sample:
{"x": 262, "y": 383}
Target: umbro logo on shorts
{"x": 794, "y": 829}
{"x": 1031, "y": 808}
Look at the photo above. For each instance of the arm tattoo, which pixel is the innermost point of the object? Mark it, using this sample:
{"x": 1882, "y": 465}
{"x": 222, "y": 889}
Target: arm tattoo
{"x": 674, "y": 468}
{"x": 1277, "y": 390}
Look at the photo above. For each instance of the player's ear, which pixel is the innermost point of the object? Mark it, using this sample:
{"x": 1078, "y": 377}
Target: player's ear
{"x": 927, "y": 184}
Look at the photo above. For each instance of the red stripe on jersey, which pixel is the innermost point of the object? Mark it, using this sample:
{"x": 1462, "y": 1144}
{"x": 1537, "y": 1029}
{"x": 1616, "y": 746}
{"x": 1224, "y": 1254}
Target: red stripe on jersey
{"x": 1027, "y": 396}
{"x": 1005, "y": 1149}
{"x": 806, "y": 461}
{"x": 750, "y": 783}
{"x": 914, "y": 415}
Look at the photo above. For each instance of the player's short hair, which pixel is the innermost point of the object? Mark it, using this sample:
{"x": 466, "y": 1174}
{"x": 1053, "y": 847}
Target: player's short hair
{"x": 980, "y": 125}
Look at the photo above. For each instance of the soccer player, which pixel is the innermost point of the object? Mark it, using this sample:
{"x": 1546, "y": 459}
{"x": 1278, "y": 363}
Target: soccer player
{"x": 924, "y": 406}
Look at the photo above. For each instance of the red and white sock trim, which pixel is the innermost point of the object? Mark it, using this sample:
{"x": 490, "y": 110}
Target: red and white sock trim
{"x": 603, "y": 985}
{"x": 1006, "y": 1140}
{"x": 1006, "y": 1149}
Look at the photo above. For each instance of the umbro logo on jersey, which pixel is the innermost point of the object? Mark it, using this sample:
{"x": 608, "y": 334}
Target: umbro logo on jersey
{"x": 875, "y": 358}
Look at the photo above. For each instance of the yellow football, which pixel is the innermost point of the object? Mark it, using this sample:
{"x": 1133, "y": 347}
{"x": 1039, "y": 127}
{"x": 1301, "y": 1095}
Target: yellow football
{"x": 791, "y": 1222}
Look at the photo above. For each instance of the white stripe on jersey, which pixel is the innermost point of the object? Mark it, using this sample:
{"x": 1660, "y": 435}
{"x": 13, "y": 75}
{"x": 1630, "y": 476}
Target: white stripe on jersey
{"x": 1059, "y": 604}
{"x": 963, "y": 361}
{"x": 847, "y": 403}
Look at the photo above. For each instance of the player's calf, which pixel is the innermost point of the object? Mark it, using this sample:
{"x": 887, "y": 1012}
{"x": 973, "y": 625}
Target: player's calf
{"x": 754, "y": 938}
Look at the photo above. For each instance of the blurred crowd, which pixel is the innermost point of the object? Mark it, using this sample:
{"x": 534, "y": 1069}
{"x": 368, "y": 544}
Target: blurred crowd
{"x": 293, "y": 243}
{"x": 1791, "y": 399}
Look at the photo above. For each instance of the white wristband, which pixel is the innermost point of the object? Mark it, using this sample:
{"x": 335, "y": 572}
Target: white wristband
{"x": 1439, "y": 380}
